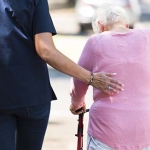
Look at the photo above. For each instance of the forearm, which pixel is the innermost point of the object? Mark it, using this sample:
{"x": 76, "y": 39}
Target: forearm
{"x": 63, "y": 64}
{"x": 77, "y": 93}
{"x": 48, "y": 52}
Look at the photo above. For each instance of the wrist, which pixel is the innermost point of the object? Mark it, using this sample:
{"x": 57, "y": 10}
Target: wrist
{"x": 91, "y": 79}
{"x": 86, "y": 76}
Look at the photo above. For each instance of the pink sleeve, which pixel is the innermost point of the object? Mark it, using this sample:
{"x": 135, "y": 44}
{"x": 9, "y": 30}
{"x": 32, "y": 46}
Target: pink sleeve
{"x": 78, "y": 88}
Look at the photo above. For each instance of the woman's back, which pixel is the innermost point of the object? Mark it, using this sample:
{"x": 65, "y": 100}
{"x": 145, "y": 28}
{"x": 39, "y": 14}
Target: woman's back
{"x": 124, "y": 115}
{"x": 120, "y": 121}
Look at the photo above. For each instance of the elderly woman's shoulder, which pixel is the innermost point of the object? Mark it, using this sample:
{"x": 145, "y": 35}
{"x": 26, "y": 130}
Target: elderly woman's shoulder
{"x": 95, "y": 36}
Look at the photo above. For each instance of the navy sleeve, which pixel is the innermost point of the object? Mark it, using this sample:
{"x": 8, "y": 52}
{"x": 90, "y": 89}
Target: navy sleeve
{"x": 42, "y": 21}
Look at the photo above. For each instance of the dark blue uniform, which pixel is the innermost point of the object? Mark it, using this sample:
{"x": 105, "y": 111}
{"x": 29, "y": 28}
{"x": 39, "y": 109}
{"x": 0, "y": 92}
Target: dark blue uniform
{"x": 25, "y": 90}
{"x": 24, "y": 79}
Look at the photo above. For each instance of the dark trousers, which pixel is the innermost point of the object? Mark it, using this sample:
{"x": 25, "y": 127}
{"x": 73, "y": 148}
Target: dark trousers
{"x": 23, "y": 129}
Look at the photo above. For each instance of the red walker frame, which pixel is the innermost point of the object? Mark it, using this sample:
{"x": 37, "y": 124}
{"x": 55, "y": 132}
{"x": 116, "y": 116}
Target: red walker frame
{"x": 80, "y": 131}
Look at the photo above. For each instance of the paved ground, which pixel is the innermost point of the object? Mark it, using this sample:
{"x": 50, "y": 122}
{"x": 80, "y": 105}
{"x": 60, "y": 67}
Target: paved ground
{"x": 61, "y": 133}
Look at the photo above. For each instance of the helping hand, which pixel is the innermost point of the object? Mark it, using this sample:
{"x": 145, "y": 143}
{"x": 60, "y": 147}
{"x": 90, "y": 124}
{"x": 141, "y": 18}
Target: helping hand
{"x": 106, "y": 84}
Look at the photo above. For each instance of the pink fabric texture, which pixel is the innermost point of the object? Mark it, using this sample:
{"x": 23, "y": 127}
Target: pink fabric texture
{"x": 121, "y": 121}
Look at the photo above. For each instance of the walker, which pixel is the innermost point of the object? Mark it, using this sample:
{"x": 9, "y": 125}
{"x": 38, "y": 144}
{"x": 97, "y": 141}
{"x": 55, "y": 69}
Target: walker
{"x": 80, "y": 131}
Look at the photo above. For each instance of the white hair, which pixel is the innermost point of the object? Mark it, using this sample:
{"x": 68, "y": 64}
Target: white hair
{"x": 108, "y": 14}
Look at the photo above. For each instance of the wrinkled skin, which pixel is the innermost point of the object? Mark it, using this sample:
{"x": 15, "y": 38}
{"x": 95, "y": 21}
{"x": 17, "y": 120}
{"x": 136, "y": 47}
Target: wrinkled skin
{"x": 103, "y": 80}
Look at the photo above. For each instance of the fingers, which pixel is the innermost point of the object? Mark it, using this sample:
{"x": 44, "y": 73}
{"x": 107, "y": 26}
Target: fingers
{"x": 115, "y": 87}
{"x": 106, "y": 83}
{"x": 110, "y": 74}
{"x": 77, "y": 111}
{"x": 116, "y": 82}
{"x": 110, "y": 90}
{"x": 113, "y": 80}
{"x": 84, "y": 108}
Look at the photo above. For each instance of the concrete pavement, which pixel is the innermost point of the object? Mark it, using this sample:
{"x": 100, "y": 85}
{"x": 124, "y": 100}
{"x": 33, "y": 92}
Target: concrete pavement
{"x": 61, "y": 132}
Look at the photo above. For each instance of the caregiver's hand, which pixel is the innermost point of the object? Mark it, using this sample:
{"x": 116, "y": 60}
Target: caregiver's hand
{"x": 106, "y": 83}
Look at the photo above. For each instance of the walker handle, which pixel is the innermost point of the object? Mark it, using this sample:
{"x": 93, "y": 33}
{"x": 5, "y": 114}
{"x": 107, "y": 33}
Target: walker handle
{"x": 87, "y": 110}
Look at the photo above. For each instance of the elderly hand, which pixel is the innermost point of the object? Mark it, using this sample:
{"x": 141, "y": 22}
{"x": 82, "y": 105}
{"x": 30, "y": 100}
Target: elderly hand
{"x": 106, "y": 84}
{"x": 77, "y": 111}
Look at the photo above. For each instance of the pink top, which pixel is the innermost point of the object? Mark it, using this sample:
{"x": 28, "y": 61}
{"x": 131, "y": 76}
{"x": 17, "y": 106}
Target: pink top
{"x": 121, "y": 121}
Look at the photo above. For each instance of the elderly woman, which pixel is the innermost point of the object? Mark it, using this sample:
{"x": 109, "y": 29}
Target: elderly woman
{"x": 117, "y": 121}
